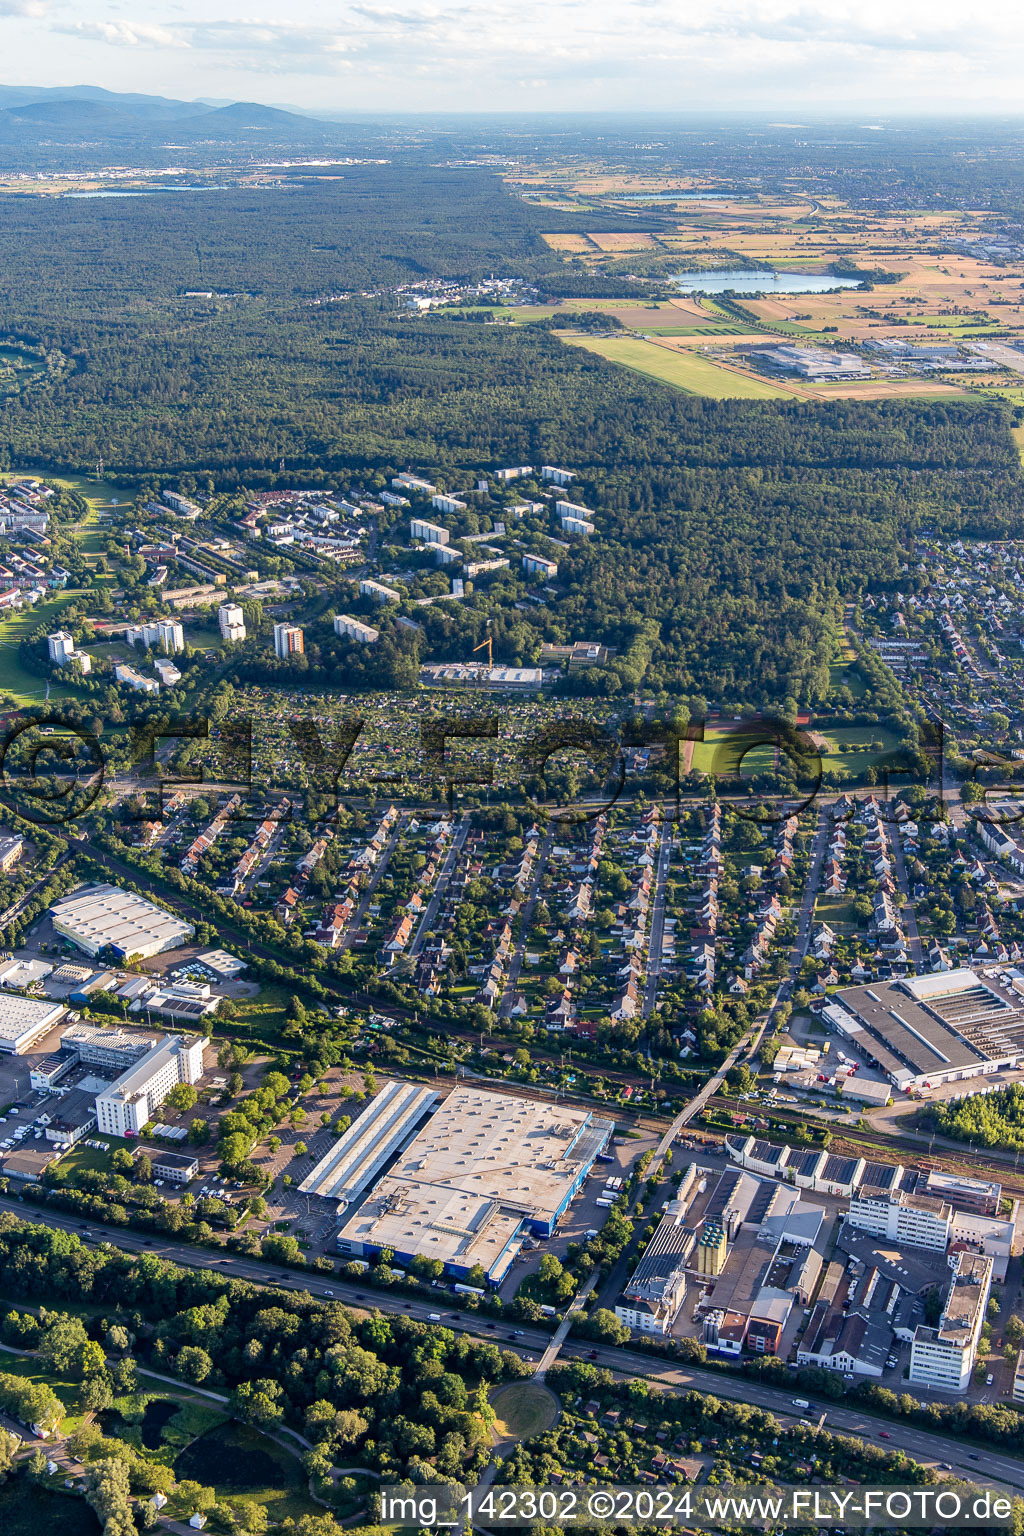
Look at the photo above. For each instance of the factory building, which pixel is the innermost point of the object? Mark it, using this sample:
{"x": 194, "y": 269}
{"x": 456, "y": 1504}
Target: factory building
{"x": 483, "y": 1172}
{"x": 103, "y": 916}
{"x": 24, "y": 1020}
{"x": 926, "y": 1030}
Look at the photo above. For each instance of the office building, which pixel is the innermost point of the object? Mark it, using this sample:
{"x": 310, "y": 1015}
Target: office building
{"x": 103, "y": 916}
{"x": 175, "y": 1167}
{"x": 430, "y": 533}
{"x": 131, "y": 1101}
{"x": 943, "y": 1358}
{"x": 288, "y": 641}
{"x": 61, "y": 647}
{"x": 166, "y": 671}
{"x": 920, "y": 1221}
{"x": 123, "y": 673}
{"x": 231, "y": 621}
{"x": 11, "y": 850}
{"x": 355, "y": 629}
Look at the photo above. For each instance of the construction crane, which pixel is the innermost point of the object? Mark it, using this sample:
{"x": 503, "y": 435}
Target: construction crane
{"x": 486, "y": 644}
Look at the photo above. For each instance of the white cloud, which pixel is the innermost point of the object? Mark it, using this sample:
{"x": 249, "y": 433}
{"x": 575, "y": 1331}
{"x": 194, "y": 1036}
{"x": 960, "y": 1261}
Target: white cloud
{"x": 123, "y": 34}
{"x": 784, "y": 55}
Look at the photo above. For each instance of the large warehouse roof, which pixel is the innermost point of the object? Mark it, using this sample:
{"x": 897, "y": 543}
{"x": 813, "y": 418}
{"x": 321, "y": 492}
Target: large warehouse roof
{"x": 482, "y": 1166}
{"x": 933, "y": 1027}
{"x": 24, "y": 1019}
{"x": 385, "y": 1125}
{"x": 103, "y": 914}
{"x": 521, "y": 1151}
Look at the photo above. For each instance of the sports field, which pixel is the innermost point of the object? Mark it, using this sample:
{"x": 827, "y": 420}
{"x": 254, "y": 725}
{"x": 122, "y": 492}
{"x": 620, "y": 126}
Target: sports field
{"x": 683, "y": 370}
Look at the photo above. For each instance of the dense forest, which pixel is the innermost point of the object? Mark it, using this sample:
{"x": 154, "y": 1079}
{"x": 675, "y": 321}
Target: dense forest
{"x": 730, "y": 530}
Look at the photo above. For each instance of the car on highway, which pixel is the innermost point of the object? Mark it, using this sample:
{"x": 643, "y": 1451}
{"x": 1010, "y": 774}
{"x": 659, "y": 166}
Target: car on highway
{"x": 883, "y": 1434}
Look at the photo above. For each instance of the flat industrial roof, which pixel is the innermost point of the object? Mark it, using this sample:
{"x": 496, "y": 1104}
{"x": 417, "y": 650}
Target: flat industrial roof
{"x": 21, "y": 1017}
{"x": 105, "y": 914}
{"x": 521, "y": 1151}
{"x": 919, "y": 1039}
{"x": 483, "y": 1164}
{"x": 358, "y": 1156}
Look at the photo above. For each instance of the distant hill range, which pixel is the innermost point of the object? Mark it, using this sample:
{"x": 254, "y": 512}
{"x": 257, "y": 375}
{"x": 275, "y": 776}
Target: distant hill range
{"x": 87, "y": 114}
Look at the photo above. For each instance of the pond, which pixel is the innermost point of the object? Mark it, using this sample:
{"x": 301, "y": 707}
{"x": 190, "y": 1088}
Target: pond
{"x": 237, "y": 1460}
{"x": 26, "y": 1509}
{"x": 159, "y": 1413}
{"x": 672, "y": 197}
{"x": 740, "y": 281}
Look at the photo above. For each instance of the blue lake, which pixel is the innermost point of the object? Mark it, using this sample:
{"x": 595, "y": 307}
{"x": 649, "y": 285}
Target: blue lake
{"x": 760, "y": 282}
{"x": 668, "y": 197}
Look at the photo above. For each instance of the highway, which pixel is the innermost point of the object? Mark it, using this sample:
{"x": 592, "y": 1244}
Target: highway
{"x": 989, "y": 1467}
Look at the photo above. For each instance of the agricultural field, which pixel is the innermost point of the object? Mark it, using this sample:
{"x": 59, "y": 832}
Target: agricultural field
{"x": 685, "y": 370}
{"x": 929, "y": 278}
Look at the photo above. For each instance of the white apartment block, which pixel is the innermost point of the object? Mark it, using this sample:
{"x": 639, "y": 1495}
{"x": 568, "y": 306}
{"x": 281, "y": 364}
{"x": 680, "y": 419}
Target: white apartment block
{"x": 231, "y": 620}
{"x": 288, "y": 641}
{"x": 431, "y": 533}
{"x": 443, "y": 503}
{"x": 578, "y": 525}
{"x": 943, "y": 1358}
{"x": 555, "y": 476}
{"x": 126, "y": 674}
{"x": 517, "y": 472}
{"x": 537, "y": 565}
{"x": 412, "y": 483}
{"x": 354, "y": 629}
{"x": 131, "y": 1101}
{"x": 164, "y": 632}
{"x": 61, "y": 647}
{"x": 166, "y": 671}
{"x": 572, "y": 509}
{"x": 920, "y": 1221}
{"x": 378, "y": 591}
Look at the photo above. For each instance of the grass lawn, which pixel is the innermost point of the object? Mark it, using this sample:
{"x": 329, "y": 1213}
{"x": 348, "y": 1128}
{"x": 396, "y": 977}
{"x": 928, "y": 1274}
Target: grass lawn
{"x": 35, "y": 1370}
{"x": 850, "y": 745}
{"x": 685, "y": 371}
{"x": 523, "y": 1409}
{"x": 14, "y": 679}
{"x": 91, "y": 1158}
{"x": 264, "y": 1016}
{"x": 838, "y": 912}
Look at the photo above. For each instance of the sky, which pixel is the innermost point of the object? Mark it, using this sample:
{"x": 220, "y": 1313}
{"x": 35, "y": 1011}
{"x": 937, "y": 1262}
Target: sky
{"x": 876, "y": 56}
